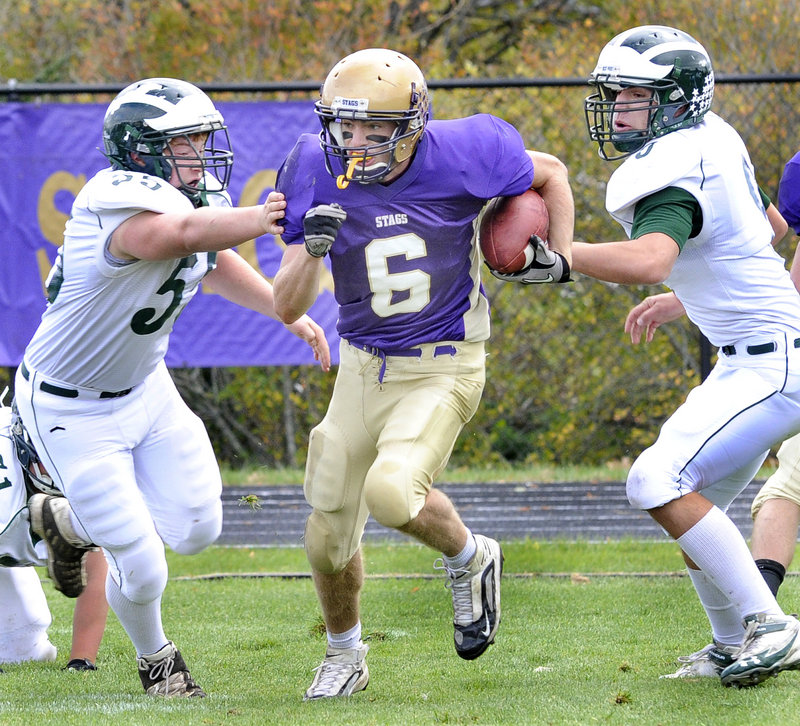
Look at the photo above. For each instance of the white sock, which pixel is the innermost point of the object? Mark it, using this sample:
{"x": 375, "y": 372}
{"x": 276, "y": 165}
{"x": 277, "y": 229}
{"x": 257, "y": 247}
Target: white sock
{"x": 348, "y": 639}
{"x": 726, "y": 624}
{"x": 142, "y": 623}
{"x": 463, "y": 558}
{"x": 717, "y": 547}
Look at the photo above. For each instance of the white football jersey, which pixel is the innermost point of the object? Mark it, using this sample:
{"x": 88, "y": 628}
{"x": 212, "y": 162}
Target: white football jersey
{"x": 108, "y": 321}
{"x": 729, "y": 278}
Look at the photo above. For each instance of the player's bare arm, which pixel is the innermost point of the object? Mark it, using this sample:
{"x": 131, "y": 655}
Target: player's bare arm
{"x": 656, "y": 310}
{"x": 646, "y": 260}
{"x": 551, "y": 180}
{"x": 296, "y": 285}
{"x": 173, "y": 235}
{"x": 297, "y": 282}
{"x": 794, "y": 272}
{"x": 306, "y": 329}
{"x": 779, "y": 225}
{"x": 780, "y": 228}
{"x": 652, "y": 312}
{"x": 236, "y": 280}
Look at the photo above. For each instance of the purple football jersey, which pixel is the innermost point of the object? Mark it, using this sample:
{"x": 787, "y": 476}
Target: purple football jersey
{"x": 789, "y": 193}
{"x": 405, "y": 263}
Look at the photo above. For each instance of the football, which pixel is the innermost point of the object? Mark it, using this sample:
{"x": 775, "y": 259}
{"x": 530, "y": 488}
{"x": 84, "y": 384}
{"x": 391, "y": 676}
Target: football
{"x": 506, "y": 227}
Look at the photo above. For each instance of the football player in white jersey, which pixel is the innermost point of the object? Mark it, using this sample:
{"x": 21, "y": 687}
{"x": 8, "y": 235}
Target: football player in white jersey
{"x": 687, "y": 198}
{"x": 776, "y": 507}
{"x": 25, "y": 615}
{"x": 93, "y": 390}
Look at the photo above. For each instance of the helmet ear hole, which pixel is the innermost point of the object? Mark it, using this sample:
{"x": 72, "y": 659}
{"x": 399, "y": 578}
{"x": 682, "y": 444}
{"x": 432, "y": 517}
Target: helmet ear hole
{"x": 405, "y": 148}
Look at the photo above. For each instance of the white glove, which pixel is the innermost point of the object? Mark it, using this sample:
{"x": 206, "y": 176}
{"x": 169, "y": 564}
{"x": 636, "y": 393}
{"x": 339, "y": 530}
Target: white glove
{"x": 321, "y": 224}
{"x": 547, "y": 266}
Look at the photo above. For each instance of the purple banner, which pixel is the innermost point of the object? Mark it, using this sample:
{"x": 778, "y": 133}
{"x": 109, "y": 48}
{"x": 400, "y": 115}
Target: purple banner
{"x": 48, "y": 151}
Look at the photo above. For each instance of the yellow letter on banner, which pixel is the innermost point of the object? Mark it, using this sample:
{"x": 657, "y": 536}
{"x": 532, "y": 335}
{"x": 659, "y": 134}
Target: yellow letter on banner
{"x": 51, "y": 220}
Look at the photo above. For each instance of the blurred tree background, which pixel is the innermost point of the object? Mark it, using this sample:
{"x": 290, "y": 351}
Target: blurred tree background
{"x": 564, "y": 385}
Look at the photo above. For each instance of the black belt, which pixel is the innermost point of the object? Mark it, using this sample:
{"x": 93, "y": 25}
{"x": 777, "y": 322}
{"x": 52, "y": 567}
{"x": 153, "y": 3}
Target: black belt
{"x": 71, "y": 392}
{"x": 757, "y": 349}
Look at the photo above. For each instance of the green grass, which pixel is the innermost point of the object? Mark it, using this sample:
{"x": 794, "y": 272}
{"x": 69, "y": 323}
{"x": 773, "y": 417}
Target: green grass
{"x": 585, "y": 635}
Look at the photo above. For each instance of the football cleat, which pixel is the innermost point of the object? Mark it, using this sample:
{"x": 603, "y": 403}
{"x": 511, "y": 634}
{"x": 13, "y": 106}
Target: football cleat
{"x": 705, "y": 663}
{"x": 343, "y": 672}
{"x": 80, "y": 664}
{"x": 476, "y": 598}
{"x": 66, "y": 551}
{"x": 164, "y": 673}
{"x": 771, "y": 645}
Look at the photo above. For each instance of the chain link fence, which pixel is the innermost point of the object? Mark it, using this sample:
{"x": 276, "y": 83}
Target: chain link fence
{"x": 563, "y": 383}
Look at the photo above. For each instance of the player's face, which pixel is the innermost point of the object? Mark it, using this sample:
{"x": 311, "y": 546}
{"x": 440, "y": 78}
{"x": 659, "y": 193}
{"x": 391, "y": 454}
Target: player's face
{"x": 632, "y": 109}
{"x": 358, "y": 134}
{"x": 366, "y": 133}
{"x": 187, "y": 161}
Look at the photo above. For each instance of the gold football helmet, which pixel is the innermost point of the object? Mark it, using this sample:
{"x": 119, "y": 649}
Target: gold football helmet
{"x": 375, "y": 84}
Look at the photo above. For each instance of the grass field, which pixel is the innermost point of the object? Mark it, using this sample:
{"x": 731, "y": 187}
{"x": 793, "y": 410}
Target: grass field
{"x": 587, "y": 629}
{"x": 543, "y": 473}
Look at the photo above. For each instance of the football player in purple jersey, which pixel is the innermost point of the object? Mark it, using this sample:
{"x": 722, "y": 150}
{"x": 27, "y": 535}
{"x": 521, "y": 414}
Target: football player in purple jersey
{"x": 392, "y": 198}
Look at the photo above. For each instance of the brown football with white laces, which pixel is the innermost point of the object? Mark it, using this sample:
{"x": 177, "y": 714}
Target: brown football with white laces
{"x": 506, "y": 226}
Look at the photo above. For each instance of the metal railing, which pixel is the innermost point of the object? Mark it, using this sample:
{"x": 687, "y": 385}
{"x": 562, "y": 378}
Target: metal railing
{"x": 14, "y": 90}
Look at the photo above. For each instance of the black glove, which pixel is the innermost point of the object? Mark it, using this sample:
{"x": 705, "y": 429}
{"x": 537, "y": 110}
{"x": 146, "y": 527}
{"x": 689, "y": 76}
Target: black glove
{"x": 320, "y": 227}
{"x": 547, "y": 266}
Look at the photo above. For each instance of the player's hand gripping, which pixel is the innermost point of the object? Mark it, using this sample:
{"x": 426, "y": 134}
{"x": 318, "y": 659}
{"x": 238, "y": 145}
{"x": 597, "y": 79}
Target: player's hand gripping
{"x": 547, "y": 266}
{"x": 320, "y": 227}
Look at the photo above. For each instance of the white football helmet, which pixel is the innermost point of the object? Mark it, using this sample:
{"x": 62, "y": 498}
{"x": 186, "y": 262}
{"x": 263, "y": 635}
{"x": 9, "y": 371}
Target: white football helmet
{"x": 146, "y": 115}
{"x": 669, "y": 61}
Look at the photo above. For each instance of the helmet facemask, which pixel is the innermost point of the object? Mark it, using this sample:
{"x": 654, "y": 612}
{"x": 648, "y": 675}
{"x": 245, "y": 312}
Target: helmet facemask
{"x": 602, "y": 107}
{"x": 373, "y": 162}
{"x": 211, "y": 154}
